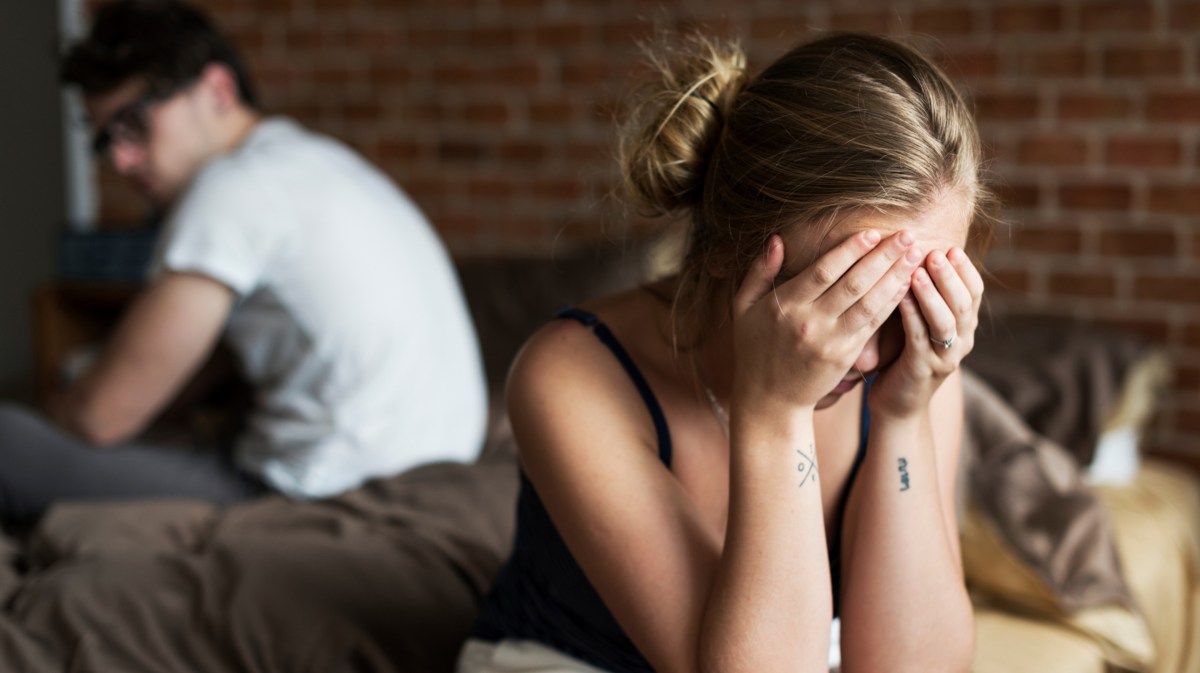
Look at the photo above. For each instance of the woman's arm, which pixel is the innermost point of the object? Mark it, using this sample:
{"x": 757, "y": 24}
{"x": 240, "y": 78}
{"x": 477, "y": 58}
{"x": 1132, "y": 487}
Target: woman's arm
{"x": 759, "y": 599}
{"x": 905, "y": 607}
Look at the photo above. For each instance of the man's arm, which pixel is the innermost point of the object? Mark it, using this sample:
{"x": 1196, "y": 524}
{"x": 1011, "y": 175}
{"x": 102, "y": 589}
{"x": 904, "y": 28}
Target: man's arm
{"x": 158, "y": 345}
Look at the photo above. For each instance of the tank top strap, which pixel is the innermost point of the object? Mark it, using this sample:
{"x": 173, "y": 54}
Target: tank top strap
{"x": 606, "y": 337}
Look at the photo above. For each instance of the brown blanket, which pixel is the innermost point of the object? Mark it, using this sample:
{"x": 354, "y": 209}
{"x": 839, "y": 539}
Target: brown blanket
{"x": 386, "y": 578}
{"x": 1032, "y": 490}
{"x": 1061, "y": 378}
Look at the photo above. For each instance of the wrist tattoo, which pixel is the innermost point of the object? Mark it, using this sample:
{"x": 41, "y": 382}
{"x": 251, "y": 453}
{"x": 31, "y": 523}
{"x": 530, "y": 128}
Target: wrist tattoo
{"x": 904, "y": 475}
{"x": 807, "y": 466}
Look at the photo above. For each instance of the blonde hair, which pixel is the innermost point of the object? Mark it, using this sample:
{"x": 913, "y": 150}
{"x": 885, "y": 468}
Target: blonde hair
{"x": 835, "y": 125}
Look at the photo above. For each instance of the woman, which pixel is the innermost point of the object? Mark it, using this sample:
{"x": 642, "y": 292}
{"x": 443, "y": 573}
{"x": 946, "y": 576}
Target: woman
{"x": 775, "y": 441}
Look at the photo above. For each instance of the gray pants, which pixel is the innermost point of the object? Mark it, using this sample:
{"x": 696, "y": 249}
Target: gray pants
{"x": 40, "y": 464}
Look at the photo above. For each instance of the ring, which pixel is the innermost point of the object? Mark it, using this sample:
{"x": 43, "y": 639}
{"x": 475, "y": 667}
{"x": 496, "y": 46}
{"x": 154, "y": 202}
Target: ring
{"x": 945, "y": 343}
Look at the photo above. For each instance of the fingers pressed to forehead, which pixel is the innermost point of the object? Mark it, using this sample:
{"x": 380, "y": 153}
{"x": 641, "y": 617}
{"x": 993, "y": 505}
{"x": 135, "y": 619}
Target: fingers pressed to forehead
{"x": 950, "y": 284}
{"x": 967, "y": 271}
{"x": 829, "y": 268}
{"x": 888, "y": 266}
{"x": 939, "y": 316}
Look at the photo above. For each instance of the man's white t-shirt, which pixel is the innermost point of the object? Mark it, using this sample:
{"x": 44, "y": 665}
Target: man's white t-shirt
{"x": 349, "y": 321}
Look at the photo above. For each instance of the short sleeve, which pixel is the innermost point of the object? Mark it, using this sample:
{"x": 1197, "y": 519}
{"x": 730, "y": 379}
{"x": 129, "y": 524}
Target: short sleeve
{"x": 224, "y": 228}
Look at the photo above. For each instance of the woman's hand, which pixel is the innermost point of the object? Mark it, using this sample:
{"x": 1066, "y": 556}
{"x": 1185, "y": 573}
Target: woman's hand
{"x": 943, "y": 307}
{"x": 795, "y": 342}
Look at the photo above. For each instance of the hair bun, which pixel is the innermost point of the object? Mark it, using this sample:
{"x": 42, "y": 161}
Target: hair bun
{"x": 676, "y": 123}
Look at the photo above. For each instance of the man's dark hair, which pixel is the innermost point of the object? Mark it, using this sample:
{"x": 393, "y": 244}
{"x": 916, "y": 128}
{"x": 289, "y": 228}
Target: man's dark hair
{"x": 165, "y": 43}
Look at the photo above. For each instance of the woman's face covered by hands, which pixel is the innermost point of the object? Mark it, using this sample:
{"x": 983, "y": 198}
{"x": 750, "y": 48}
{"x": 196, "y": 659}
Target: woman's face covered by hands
{"x": 939, "y": 232}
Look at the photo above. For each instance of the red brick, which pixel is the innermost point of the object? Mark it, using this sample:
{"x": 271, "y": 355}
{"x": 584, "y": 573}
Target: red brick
{"x": 1016, "y": 195}
{"x": 1187, "y": 420}
{"x": 492, "y": 37}
{"x": 362, "y": 113}
{"x": 1008, "y": 281}
{"x": 397, "y": 149}
{"x": 961, "y": 63}
{"x": 427, "y": 111}
{"x": 523, "y": 151}
{"x": 1113, "y": 196}
{"x": 1027, "y": 19}
{"x": 491, "y": 188}
{"x": 1006, "y": 106}
{"x": 584, "y": 151}
{"x": 1191, "y": 335}
{"x": 1122, "y": 15}
{"x": 375, "y": 38}
{"x": 559, "y": 34}
{"x": 1143, "y": 61}
{"x": 1178, "y": 288}
{"x": 779, "y": 27}
{"x": 522, "y": 75}
{"x": 1096, "y": 105}
{"x": 1092, "y": 285}
{"x": 1143, "y": 151}
{"x": 428, "y": 37}
{"x": 1139, "y": 243}
{"x": 1181, "y": 198}
{"x": 455, "y": 73}
{"x": 332, "y": 75}
{"x": 1053, "y": 62}
{"x": 626, "y": 33}
{"x": 1184, "y": 15}
{"x": 461, "y": 150}
{"x": 1052, "y": 151}
{"x": 555, "y": 190}
{"x": 390, "y": 74}
{"x": 1187, "y": 377}
{"x": 877, "y": 22}
{"x": 1155, "y": 330}
{"x": 460, "y": 223}
{"x": 721, "y": 27}
{"x": 1047, "y": 240}
{"x": 1173, "y": 106}
{"x": 551, "y": 112}
{"x": 943, "y": 21}
{"x": 585, "y": 73}
{"x": 486, "y": 113}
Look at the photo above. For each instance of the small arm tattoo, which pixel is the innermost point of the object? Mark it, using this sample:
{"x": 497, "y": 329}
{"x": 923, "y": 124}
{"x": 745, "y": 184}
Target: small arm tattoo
{"x": 807, "y": 466}
{"x": 904, "y": 475}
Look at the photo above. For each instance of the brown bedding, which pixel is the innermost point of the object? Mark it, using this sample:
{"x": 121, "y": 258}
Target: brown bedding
{"x": 386, "y": 578}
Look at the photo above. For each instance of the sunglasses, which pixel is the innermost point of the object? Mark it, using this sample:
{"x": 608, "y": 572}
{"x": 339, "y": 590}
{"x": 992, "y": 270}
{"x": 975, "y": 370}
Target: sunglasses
{"x": 128, "y": 124}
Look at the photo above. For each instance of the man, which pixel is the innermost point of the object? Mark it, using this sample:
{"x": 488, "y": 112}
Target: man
{"x": 325, "y": 280}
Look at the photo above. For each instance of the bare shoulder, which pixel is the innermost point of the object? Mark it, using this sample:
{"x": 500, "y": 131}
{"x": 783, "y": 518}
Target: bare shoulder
{"x": 565, "y": 383}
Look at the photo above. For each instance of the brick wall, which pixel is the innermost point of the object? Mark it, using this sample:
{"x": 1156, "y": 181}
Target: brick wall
{"x": 497, "y": 116}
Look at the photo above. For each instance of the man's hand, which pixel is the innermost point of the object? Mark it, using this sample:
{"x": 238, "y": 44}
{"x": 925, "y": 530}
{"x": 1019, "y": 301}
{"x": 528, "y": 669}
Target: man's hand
{"x": 159, "y": 343}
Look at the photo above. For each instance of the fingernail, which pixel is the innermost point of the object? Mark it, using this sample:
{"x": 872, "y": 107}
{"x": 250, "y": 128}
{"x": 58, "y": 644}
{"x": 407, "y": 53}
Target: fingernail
{"x": 871, "y": 236}
{"x": 913, "y": 255}
{"x": 937, "y": 258}
{"x": 906, "y": 237}
{"x": 921, "y": 276}
{"x": 957, "y": 254}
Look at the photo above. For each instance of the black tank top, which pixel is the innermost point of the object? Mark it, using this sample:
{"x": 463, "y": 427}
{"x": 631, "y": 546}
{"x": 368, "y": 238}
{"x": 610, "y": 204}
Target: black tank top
{"x": 541, "y": 593}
